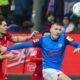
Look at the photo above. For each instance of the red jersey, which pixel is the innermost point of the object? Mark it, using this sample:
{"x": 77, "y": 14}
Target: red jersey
{"x": 37, "y": 75}
{"x": 3, "y": 42}
{"x": 5, "y": 38}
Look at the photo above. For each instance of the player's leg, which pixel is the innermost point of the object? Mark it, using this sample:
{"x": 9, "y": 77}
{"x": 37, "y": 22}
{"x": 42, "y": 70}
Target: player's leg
{"x": 3, "y": 77}
{"x": 50, "y": 74}
{"x": 63, "y": 76}
{"x": 33, "y": 77}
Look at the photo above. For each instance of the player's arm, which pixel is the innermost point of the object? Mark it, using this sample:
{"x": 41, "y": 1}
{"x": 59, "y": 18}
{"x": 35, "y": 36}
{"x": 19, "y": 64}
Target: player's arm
{"x": 15, "y": 47}
{"x": 7, "y": 56}
{"x": 24, "y": 38}
{"x": 74, "y": 43}
{"x": 35, "y": 43}
{"x": 3, "y": 57}
{"x": 21, "y": 45}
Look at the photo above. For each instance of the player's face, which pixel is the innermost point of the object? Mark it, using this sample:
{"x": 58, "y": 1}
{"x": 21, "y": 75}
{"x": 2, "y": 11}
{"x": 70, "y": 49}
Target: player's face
{"x": 3, "y": 27}
{"x": 55, "y": 31}
{"x": 65, "y": 21}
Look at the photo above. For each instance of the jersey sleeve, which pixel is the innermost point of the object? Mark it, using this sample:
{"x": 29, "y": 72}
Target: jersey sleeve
{"x": 25, "y": 45}
{"x": 9, "y": 36}
{"x": 20, "y": 46}
{"x": 37, "y": 42}
{"x": 72, "y": 42}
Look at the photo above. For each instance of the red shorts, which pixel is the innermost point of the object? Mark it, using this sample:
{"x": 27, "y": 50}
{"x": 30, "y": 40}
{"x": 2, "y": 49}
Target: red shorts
{"x": 34, "y": 77}
{"x": 2, "y": 76}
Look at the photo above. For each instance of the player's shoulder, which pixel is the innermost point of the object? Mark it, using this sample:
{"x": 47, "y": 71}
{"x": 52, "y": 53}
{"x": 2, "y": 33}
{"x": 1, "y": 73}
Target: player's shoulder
{"x": 46, "y": 36}
{"x": 8, "y": 34}
{"x": 68, "y": 38}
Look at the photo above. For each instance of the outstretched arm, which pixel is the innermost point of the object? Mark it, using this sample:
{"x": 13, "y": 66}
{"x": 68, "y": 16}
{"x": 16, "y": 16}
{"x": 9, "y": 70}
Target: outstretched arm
{"x": 24, "y": 38}
{"x": 16, "y": 46}
{"x": 20, "y": 46}
{"x": 74, "y": 43}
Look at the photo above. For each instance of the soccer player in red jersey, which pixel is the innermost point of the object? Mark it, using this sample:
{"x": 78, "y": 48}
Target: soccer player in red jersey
{"x": 4, "y": 37}
{"x": 37, "y": 58}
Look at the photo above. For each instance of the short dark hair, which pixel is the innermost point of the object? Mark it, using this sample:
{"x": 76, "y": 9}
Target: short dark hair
{"x": 58, "y": 23}
{"x": 67, "y": 16}
{"x": 1, "y": 19}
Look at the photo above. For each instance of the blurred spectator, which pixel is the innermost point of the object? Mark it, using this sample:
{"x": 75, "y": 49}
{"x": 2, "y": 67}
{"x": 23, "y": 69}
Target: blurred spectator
{"x": 39, "y": 13}
{"x": 51, "y": 19}
{"x": 27, "y": 25}
{"x": 59, "y": 9}
{"x": 12, "y": 26}
{"x": 51, "y": 7}
{"x": 49, "y": 22}
{"x": 68, "y": 26}
{"x": 5, "y": 7}
{"x": 72, "y": 17}
{"x": 56, "y": 7}
{"x": 23, "y": 11}
{"x": 77, "y": 28}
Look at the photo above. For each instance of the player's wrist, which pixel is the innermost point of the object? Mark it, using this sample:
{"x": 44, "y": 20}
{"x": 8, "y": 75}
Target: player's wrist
{"x": 8, "y": 49}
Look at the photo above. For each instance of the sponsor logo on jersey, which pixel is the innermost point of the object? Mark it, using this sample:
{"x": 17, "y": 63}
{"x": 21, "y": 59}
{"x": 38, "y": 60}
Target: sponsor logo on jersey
{"x": 54, "y": 53}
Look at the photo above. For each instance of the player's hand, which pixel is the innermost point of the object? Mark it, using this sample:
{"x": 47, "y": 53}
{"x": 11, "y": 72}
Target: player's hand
{"x": 77, "y": 50}
{"x": 11, "y": 56}
{"x": 2, "y": 49}
{"x": 34, "y": 33}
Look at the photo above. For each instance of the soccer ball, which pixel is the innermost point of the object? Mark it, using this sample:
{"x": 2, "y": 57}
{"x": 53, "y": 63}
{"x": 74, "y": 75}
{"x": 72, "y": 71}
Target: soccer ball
{"x": 76, "y": 9}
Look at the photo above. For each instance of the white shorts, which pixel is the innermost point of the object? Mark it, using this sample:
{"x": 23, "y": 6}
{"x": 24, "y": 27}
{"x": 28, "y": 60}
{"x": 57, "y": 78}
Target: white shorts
{"x": 51, "y": 74}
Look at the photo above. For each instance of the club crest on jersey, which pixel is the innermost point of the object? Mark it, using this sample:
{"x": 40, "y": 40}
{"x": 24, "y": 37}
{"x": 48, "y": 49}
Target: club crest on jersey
{"x": 60, "y": 45}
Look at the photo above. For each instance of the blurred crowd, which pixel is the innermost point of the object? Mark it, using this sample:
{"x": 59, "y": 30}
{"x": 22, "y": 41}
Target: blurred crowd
{"x": 30, "y": 15}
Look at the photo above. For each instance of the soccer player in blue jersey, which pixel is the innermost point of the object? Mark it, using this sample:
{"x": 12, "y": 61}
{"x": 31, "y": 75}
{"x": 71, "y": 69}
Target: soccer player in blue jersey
{"x": 53, "y": 47}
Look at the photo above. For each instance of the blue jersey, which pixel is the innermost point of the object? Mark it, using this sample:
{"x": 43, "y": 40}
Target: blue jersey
{"x": 52, "y": 50}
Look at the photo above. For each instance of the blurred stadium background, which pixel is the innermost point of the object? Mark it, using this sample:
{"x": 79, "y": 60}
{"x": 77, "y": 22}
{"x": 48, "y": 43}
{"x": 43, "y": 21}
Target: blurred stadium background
{"x": 28, "y": 15}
